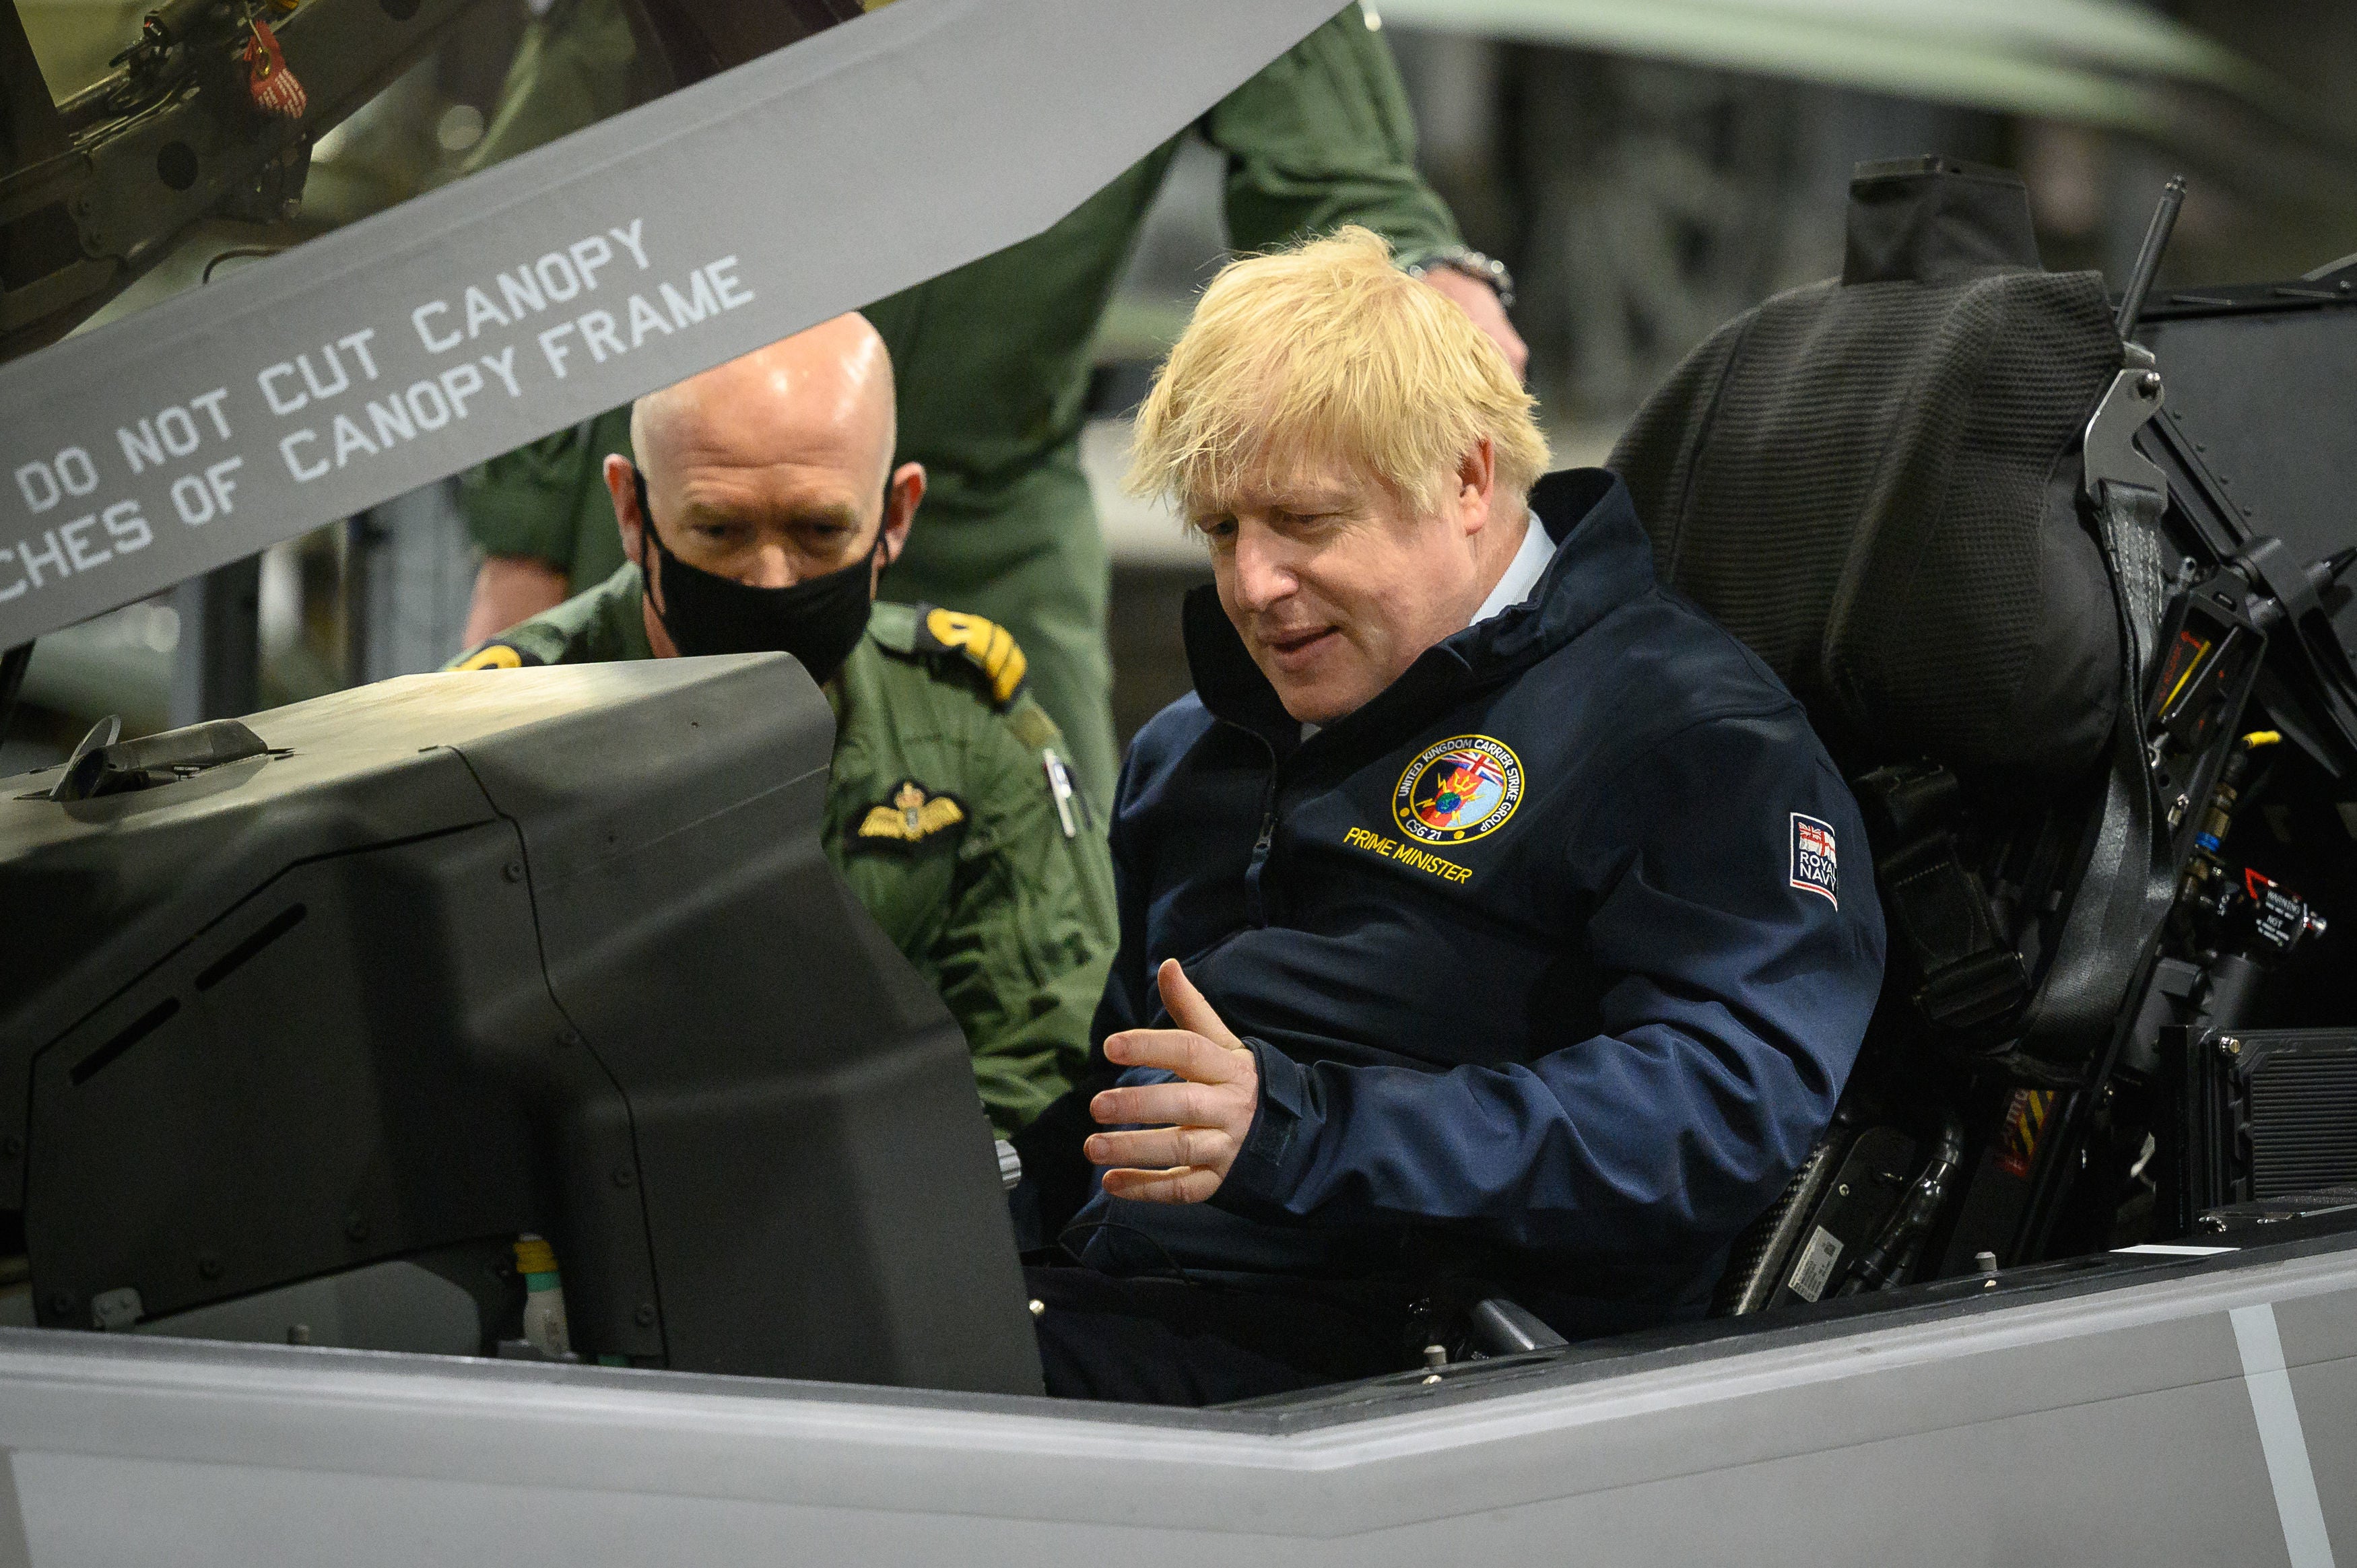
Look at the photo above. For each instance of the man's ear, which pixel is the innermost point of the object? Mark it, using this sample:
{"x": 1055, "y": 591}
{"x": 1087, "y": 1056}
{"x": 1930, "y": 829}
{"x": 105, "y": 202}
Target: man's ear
{"x": 622, "y": 485}
{"x": 1477, "y": 486}
{"x": 902, "y": 493}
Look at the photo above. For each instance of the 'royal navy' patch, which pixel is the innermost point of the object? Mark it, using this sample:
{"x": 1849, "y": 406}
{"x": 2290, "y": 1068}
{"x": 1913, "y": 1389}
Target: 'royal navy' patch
{"x": 1458, "y": 789}
{"x": 1814, "y": 866}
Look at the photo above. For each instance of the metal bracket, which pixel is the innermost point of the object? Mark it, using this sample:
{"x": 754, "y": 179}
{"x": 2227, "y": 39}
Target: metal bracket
{"x": 109, "y": 766}
{"x": 112, "y": 1310}
{"x": 102, "y": 734}
{"x": 2110, "y": 441}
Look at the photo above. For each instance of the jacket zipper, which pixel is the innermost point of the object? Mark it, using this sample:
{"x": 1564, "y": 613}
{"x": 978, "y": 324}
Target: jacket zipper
{"x": 1256, "y": 907}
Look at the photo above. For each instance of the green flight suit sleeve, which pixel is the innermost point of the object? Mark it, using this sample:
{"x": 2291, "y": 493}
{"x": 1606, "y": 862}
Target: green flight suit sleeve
{"x": 547, "y": 500}
{"x": 1021, "y": 957}
{"x": 1322, "y": 137}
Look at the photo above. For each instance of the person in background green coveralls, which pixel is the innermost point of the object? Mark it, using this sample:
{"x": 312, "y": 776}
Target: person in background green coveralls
{"x": 767, "y": 504}
{"x": 994, "y": 360}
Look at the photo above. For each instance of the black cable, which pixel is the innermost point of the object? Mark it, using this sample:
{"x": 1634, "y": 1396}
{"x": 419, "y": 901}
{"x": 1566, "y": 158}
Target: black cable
{"x": 2249, "y": 793}
{"x": 1882, "y": 1264}
{"x": 237, "y": 252}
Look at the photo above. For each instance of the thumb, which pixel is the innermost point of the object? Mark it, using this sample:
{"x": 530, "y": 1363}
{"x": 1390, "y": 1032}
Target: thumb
{"x": 1188, "y": 1007}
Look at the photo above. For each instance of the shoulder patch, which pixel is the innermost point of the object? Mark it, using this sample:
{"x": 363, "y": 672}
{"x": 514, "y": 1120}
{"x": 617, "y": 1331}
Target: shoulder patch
{"x": 498, "y": 656}
{"x": 987, "y": 646}
{"x": 1814, "y": 867}
{"x": 908, "y": 817}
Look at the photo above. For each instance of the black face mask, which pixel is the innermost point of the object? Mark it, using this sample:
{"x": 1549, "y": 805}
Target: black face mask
{"x": 818, "y": 621}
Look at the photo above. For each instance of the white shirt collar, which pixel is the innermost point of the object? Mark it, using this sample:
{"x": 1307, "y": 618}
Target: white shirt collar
{"x": 1523, "y": 572}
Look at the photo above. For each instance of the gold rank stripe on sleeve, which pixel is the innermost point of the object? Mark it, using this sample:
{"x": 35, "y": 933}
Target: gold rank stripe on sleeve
{"x": 985, "y": 644}
{"x": 910, "y": 816}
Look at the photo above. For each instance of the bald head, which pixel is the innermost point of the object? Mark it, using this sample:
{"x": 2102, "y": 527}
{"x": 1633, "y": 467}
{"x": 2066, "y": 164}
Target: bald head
{"x": 824, "y": 395}
{"x": 775, "y": 468}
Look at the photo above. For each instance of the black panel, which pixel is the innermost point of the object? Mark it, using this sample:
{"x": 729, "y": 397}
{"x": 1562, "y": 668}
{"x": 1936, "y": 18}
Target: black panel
{"x": 468, "y": 955}
{"x": 2256, "y": 441}
{"x": 2303, "y": 1118}
{"x": 43, "y": 241}
{"x": 30, "y": 130}
{"x": 2269, "y": 1114}
{"x": 374, "y": 1080}
{"x": 2268, "y": 397}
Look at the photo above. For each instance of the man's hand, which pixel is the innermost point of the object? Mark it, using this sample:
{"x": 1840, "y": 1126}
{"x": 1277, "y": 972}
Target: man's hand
{"x": 1480, "y": 301}
{"x": 1196, "y": 1124}
{"x": 508, "y": 589}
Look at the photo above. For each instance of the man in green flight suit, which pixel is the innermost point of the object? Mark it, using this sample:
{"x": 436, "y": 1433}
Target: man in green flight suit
{"x": 994, "y": 362}
{"x": 764, "y": 504}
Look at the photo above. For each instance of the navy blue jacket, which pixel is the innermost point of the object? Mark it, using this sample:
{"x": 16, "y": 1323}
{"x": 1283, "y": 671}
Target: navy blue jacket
{"x": 1554, "y": 956}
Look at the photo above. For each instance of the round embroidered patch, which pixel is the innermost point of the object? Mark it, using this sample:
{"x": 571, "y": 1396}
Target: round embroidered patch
{"x": 1459, "y": 788}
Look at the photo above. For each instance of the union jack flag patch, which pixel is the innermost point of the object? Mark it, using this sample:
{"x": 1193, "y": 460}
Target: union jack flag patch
{"x": 1814, "y": 864}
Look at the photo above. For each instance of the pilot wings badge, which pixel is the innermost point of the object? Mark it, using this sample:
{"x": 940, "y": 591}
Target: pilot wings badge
{"x": 910, "y": 817}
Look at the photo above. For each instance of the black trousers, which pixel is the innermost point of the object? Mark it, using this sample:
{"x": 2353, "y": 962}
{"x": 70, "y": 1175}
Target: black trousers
{"x": 1157, "y": 1340}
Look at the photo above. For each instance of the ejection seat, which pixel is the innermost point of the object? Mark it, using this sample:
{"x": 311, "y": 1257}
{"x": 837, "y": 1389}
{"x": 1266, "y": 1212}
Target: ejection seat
{"x": 1885, "y": 486}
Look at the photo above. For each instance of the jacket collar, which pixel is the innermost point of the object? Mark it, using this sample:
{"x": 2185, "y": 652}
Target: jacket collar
{"x": 1602, "y": 560}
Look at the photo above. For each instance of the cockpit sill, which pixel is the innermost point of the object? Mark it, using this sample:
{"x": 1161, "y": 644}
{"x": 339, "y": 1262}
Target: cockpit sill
{"x": 1909, "y": 1324}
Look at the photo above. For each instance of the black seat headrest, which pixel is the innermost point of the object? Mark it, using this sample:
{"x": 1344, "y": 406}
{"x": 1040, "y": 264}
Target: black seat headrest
{"x": 1873, "y": 482}
{"x": 1936, "y": 221}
